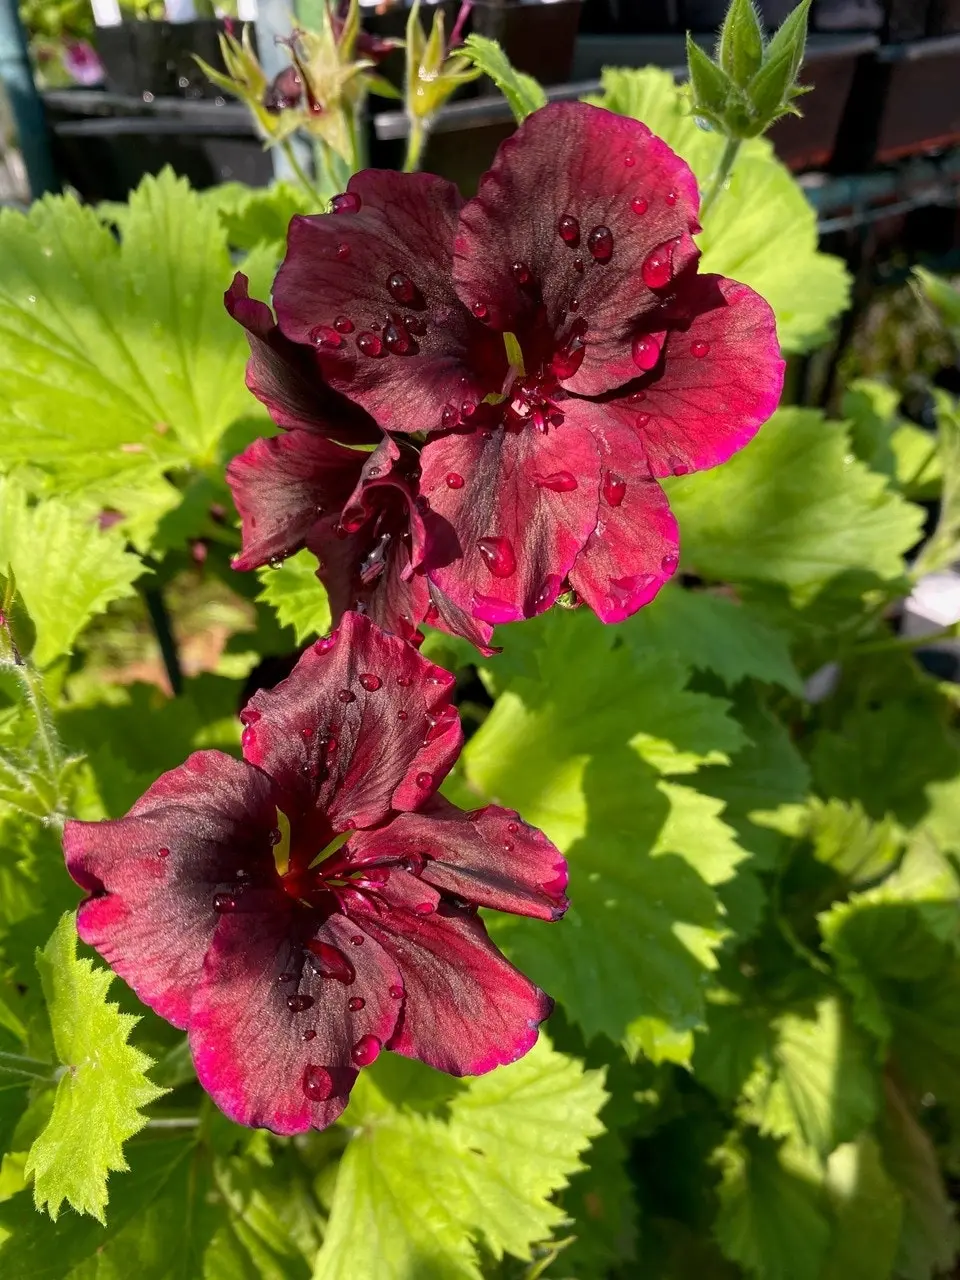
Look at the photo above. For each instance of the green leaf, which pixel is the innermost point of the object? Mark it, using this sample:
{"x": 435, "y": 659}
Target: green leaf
{"x": 263, "y": 215}
{"x": 485, "y": 1175}
{"x": 762, "y": 230}
{"x": 712, "y": 633}
{"x": 710, "y": 84}
{"x": 65, "y": 569}
{"x": 773, "y": 87}
{"x": 740, "y": 49}
{"x": 522, "y": 92}
{"x": 868, "y": 1212}
{"x": 602, "y": 1200}
{"x": 579, "y": 732}
{"x": 844, "y": 838}
{"x": 98, "y": 1099}
{"x": 771, "y": 1220}
{"x": 119, "y": 361}
{"x": 941, "y": 295}
{"x": 793, "y": 507}
{"x": 296, "y": 595}
{"x": 821, "y": 1086}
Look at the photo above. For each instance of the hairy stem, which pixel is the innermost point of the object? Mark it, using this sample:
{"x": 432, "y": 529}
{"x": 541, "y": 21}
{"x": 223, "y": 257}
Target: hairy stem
{"x": 720, "y": 175}
{"x": 416, "y": 141}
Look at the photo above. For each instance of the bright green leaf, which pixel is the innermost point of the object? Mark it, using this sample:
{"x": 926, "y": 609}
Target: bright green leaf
{"x": 297, "y": 596}
{"x": 868, "y": 1211}
{"x": 99, "y": 1097}
{"x": 522, "y": 92}
{"x": 794, "y": 507}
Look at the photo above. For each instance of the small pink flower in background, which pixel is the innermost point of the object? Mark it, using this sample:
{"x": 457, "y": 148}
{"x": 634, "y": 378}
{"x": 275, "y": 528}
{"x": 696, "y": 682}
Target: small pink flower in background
{"x": 548, "y": 348}
{"x": 301, "y": 909}
{"x": 82, "y": 64}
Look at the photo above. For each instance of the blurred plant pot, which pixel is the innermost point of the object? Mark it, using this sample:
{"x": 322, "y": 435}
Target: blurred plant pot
{"x": 907, "y": 20}
{"x": 809, "y": 141}
{"x": 537, "y": 35}
{"x": 157, "y": 57}
{"x": 945, "y": 18}
{"x": 847, "y": 15}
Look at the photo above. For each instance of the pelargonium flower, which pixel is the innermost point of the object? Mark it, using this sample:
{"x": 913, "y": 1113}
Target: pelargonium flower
{"x": 299, "y": 909}
{"x": 551, "y": 342}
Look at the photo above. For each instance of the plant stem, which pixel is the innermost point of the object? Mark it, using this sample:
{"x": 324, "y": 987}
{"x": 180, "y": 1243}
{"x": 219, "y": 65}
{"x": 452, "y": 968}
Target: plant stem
{"x": 298, "y": 169}
{"x": 893, "y": 643}
{"x": 160, "y": 621}
{"x": 416, "y": 141}
{"x": 16, "y": 1064}
{"x": 720, "y": 175}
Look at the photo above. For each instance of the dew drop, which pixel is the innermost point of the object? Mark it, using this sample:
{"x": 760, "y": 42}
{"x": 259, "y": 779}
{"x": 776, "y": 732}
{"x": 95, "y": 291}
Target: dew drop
{"x": 699, "y": 348}
{"x": 357, "y": 939}
{"x": 287, "y": 977}
{"x": 299, "y": 1003}
{"x": 432, "y": 614}
{"x": 498, "y": 556}
{"x": 346, "y": 695}
{"x": 324, "y": 336}
{"x": 600, "y": 244}
{"x": 404, "y": 682}
{"x": 574, "y": 305}
{"x": 521, "y": 273}
{"x": 671, "y": 198}
{"x": 346, "y": 202}
{"x": 548, "y": 592}
{"x": 567, "y": 361}
{"x": 507, "y": 847}
{"x": 370, "y": 682}
{"x": 402, "y": 715}
{"x": 513, "y": 827}
{"x": 309, "y": 1034}
{"x": 317, "y": 1083}
{"x": 332, "y": 745}
{"x": 669, "y": 563}
{"x": 467, "y": 409}
{"x": 401, "y": 287}
{"x": 578, "y": 264}
{"x": 163, "y": 853}
{"x": 224, "y": 903}
{"x": 331, "y": 962}
{"x": 657, "y": 269}
{"x": 247, "y": 737}
{"x": 678, "y": 467}
{"x": 568, "y": 229}
{"x": 558, "y": 481}
{"x": 275, "y": 836}
{"x": 397, "y": 339}
{"x": 454, "y": 481}
{"x": 343, "y": 324}
{"x": 424, "y": 781}
{"x": 645, "y": 351}
{"x": 343, "y": 251}
{"x": 414, "y": 863}
{"x": 376, "y": 875}
{"x": 614, "y": 489}
{"x": 365, "y": 1051}
{"x": 369, "y": 344}
{"x": 641, "y": 421}
{"x": 356, "y": 1003}
{"x": 480, "y": 310}
{"x": 395, "y": 992}
{"x": 325, "y": 643}
{"x": 449, "y": 416}
{"x": 425, "y": 908}
{"x": 630, "y": 161}
{"x": 639, "y": 204}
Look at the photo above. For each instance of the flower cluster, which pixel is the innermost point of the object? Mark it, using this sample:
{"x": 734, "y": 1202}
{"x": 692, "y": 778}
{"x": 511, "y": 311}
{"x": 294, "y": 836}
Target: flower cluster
{"x": 300, "y": 909}
{"x": 529, "y": 363}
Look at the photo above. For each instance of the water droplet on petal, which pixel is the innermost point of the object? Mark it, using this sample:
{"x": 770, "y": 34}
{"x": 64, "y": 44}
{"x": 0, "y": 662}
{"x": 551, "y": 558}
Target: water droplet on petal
{"x": 247, "y": 738}
{"x": 224, "y": 903}
{"x": 346, "y": 202}
{"x": 309, "y": 1034}
{"x": 699, "y": 348}
{"x": 678, "y": 466}
{"x": 343, "y": 251}
{"x": 369, "y": 344}
{"x": 513, "y": 827}
{"x": 657, "y": 269}
{"x": 425, "y": 908}
{"x": 331, "y": 962}
{"x": 558, "y": 481}
{"x": 402, "y": 715}
{"x": 346, "y": 695}
{"x": 414, "y": 863}
{"x": 404, "y": 682}
{"x": 567, "y": 361}
{"x": 275, "y": 836}
{"x": 639, "y": 205}
{"x": 357, "y": 939}
{"x": 324, "y": 336}
{"x": 449, "y": 416}
{"x": 163, "y": 853}
{"x": 401, "y": 288}
{"x": 521, "y": 272}
{"x": 370, "y": 682}
{"x": 614, "y": 489}
{"x": 299, "y": 1002}
{"x": 395, "y": 992}
{"x": 641, "y": 421}
{"x": 365, "y": 1051}
{"x": 356, "y": 1003}
{"x": 480, "y": 310}
{"x": 325, "y": 643}
{"x": 669, "y": 563}
{"x": 467, "y": 409}
{"x": 343, "y": 324}
{"x": 287, "y": 977}
{"x": 578, "y": 264}
{"x": 397, "y": 339}
{"x": 548, "y": 592}
{"x": 568, "y": 228}
{"x": 645, "y": 351}
{"x": 498, "y": 556}
{"x": 454, "y": 481}
{"x": 671, "y": 198}
{"x": 600, "y": 244}
{"x": 424, "y": 781}
{"x": 630, "y": 161}
{"x": 317, "y": 1083}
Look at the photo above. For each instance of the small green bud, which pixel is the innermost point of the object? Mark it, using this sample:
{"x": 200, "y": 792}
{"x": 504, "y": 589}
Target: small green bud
{"x": 740, "y": 50}
{"x": 710, "y": 85}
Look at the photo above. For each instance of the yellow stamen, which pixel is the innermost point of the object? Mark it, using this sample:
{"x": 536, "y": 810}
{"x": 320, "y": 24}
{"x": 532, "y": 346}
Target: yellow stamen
{"x": 281, "y": 850}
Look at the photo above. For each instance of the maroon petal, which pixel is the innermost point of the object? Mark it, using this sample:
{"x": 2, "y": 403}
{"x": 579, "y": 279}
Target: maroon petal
{"x": 584, "y": 205}
{"x": 634, "y": 547}
{"x": 447, "y": 616}
{"x": 274, "y": 1041}
{"x": 360, "y": 727}
{"x": 286, "y": 377}
{"x": 466, "y": 1009}
{"x": 488, "y": 857}
{"x": 156, "y": 873}
{"x": 509, "y": 512}
{"x": 384, "y": 268}
{"x": 719, "y": 380}
{"x": 283, "y": 486}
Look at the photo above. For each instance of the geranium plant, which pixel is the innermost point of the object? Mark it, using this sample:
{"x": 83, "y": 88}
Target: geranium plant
{"x": 466, "y": 806}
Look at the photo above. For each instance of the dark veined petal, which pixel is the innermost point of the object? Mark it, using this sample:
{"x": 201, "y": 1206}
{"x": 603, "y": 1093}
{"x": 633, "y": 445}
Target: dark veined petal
{"x": 274, "y": 1041}
{"x": 719, "y": 379}
{"x": 489, "y": 857}
{"x": 286, "y": 376}
{"x": 590, "y": 213}
{"x": 509, "y": 510}
{"x": 375, "y": 698}
{"x": 466, "y": 1009}
{"x": 385, "y": 269}
{"x": 634, "y": 547}
{"x": 156, "y": 874}
{"x": 283, "y": 486}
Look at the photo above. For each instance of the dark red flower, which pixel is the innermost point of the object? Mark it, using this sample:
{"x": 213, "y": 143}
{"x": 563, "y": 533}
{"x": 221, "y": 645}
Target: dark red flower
{"x": 555, "y": 343}
{"x": 299, "y": 909}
